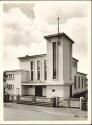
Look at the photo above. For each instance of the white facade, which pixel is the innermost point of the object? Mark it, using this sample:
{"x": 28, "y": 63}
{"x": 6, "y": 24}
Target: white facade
{"x": 14, "y": 82}
{"x": 56, "y": 78}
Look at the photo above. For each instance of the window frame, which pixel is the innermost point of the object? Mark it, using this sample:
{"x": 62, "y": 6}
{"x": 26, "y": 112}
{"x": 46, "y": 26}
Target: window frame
{"x": 32, "y": 70}
{"x": 39, "y": 70}
{"x": 45, "y": 69}
{"x": 54, "y": 53}
{"x": 79, "y": 82}
{"x": 74, "y": 82}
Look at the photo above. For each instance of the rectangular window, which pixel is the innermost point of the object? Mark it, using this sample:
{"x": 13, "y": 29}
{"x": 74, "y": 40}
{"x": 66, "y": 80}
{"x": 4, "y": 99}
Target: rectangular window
{"x": 45, "y": 70}
{"x": 10, "y": 86}
{"x": 78, "y": 81}
{"x": 9, "y": 76}
{"x": 32, "y": 70}
{"x": 54, "y": 60}
{"x": 53, "y": 90}
{"x": 82, "y": 82}
{"x": 75, "y": 82}
{"x": 38, "y": 70}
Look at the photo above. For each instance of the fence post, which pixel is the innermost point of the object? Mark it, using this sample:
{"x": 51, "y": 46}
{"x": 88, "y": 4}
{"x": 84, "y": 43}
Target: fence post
{"x": 83, "y": 103}
{"x": 68, "y": 102}
{"x": 54, "y": 102}
{"x": 57, "y": 101}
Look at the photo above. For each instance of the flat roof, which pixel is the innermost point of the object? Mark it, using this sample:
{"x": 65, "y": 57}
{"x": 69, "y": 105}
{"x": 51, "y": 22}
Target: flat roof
{"x": 16, "y": 70}
{"x": 81, "y": 73}
{"x": 33, "y": 56}
{"x": 75, "y": 59}
{"x": 44, "y": 84}
{"x": 60, "y": 34}
{"x": 40, "y": 55}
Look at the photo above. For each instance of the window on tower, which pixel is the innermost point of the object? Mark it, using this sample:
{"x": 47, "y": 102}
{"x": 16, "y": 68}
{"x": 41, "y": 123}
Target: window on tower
{"x": 32, "y": 70}
{"x": 54, "y": 60}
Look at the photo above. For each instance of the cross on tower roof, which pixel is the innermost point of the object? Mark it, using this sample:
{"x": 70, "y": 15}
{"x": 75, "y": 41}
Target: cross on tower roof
{"x": 58, "y": 30}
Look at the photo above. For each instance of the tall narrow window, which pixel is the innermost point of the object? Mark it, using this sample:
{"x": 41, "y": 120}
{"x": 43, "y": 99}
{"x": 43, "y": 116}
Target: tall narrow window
{"x": 75, "y": 82}
{"x": 54, "y": 60}
{"x": 32, "y": 70}
{"x": 79, "y": 81}
{"x": 82, "y": 82}
{"x": 45, "y": 70}
{"x": 38, "y": 70}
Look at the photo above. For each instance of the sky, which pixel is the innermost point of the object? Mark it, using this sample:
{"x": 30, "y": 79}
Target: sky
{"x": 26, "y": 24}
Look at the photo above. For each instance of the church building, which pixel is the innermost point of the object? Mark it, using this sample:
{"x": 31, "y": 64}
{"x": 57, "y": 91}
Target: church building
{"x": 48, "y": 75}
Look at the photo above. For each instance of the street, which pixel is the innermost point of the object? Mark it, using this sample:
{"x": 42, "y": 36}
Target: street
{"x": 19, "y": 112}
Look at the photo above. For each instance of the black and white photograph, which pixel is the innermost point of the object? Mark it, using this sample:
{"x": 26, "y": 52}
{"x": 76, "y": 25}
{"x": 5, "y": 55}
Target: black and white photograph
{"x": 46, "y": 46}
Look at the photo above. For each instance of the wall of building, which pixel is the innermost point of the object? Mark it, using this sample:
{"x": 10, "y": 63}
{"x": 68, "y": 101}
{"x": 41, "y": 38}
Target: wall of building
{"x": 59, "y": 65}
{"x": 49, "y": 62}
{"x": 81, "y": 89}
{"x": 31, "y": 90}
{"x": 25, "y": 76}
{"x": 60, "y": 91}
{"x": 74, "y": 73}
{"x": 44, "y": 91}
{"x": 64, "y": 61}
{"x": 23, "y": 90}
{"x": 74, "y": 69}
{"x": 67, "y": 60}
{"x": 16, "y": 81}
{"x": 25, "y": 64}
{"x": 65, "y": 72}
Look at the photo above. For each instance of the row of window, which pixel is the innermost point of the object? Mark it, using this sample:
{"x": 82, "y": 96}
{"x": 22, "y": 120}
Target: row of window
{"x": 81, "y": 81}
{"x": 39, "y": 70}
{"x": 54, "y": 45}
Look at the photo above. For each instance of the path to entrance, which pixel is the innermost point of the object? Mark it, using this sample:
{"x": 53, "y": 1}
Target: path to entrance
{"x": 13, "y": 111}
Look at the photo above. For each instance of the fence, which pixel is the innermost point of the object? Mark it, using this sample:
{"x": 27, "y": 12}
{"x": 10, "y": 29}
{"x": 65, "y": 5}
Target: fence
{"x": 54, "y": 102}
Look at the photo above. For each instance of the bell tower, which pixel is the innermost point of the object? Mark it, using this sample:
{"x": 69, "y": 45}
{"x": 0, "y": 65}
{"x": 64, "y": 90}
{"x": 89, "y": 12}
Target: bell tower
{"x": 59, "y": 58}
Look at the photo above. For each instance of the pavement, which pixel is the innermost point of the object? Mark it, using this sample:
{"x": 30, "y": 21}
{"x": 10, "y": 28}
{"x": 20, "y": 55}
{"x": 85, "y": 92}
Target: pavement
{"x": 66, "y": 113}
